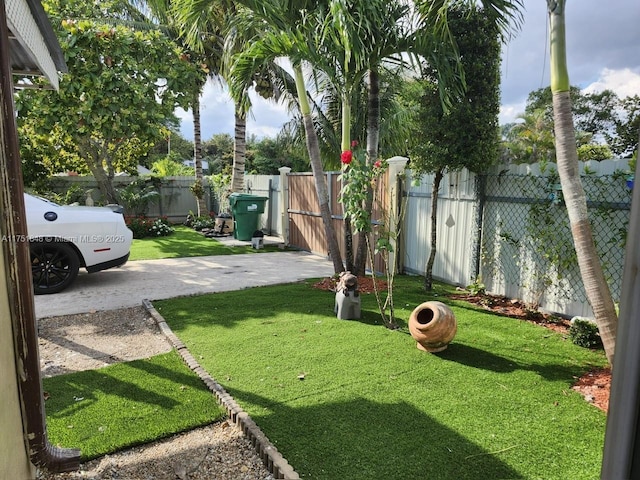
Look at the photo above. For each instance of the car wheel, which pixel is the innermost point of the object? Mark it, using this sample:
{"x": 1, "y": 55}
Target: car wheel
{"x": 54, "y": 266}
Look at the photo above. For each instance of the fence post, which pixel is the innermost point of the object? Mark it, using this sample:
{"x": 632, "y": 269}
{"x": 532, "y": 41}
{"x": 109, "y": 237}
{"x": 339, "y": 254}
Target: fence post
{"x": 284, "y": 202}
{"x": 397, "y": 166}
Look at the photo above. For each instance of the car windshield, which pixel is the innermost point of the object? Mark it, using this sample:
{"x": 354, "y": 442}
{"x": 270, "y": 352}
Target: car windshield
{"x": 50, "y": 202}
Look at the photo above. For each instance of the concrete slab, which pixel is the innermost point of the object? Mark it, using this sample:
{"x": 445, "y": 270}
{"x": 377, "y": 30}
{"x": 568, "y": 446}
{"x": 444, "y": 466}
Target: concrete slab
{"x": 160, "y": 279}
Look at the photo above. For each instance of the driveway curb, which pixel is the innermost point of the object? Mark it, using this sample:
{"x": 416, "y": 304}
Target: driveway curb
{"x": 272, "y": 459}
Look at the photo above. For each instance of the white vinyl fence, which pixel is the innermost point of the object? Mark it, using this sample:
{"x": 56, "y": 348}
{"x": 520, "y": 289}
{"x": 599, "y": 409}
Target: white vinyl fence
{"x": 510, "y": 232}
{"x": 507, "y": 229}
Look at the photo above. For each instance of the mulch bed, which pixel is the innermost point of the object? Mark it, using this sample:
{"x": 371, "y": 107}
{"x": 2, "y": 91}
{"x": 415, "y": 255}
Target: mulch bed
{"x": 365, "y": 284}
{"x": 594, "y": 385}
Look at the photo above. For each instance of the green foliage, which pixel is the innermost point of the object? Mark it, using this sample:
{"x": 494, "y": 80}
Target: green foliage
{"x": 143, "y": 227}
{"x": 199, "y": 223}
{"x": 75, "y": 193}
{"x": 601, "y": 114}
{"x": 465, "y": 135}
{"x": 138, "y": 195}
{"x": 121, "y": 87}
{"x": 593, "y": 151}
{"x": 197, "y": 189}
{"x": 218, "y": 151}
{"x": 530, "y": 140}
{"x": 584, "y": 333}
{"x": 625, "y": 143}
{"x": 357, "y": 177}
{"x": 169, "y": 167}
{"x": 221, "y": 185}
{"x": 477, "y": 287}
{"x": 172, "y": 145}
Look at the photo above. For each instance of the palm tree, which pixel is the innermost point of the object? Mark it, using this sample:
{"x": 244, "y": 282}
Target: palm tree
{"x": 164, "y": 12}
{"x": 534, "y": 137}
{"x": 286, "y": 32}
{"x": 595, "y": 283}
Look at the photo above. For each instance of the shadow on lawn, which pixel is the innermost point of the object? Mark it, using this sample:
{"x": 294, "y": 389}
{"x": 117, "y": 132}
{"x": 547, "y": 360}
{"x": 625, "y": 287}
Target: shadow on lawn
{"x": 361, "y": 439}
{"x": 84, "y": 384}
{"x": 478, "y": 358}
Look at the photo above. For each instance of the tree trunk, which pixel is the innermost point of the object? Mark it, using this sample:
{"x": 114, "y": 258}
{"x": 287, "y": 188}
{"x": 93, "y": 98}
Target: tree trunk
{"x": 318, "y": 174}
{"x": 428, "y": 276}
{"x": 94, "y": 161}
{"x": 595, "y": 284}
{"x": 105, "y": 185}
{"x": 197, "y": 153}
{"x": 239, "y": 151}
{"x": 346, "y": 145}
{"x": 348, "y": 244}
{"x": 373, "y": 135}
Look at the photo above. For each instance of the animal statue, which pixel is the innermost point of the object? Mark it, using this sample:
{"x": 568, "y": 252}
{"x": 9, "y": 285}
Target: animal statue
{"x": 347, "y": 303}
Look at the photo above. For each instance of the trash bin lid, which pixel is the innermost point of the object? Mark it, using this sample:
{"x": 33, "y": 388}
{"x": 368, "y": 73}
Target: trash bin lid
{"x": 244, "y": 197}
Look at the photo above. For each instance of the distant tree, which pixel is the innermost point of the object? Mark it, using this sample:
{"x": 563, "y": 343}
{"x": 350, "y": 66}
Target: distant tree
{"x": 627, "y": 125}
{"x": 530, "y": 138}
{"x": 170, "y": 166}
{"x": 603, "y": 115}
{"x": 592, "y": 151}
{"x": 173, "y": 144}
{"x": 218, "y": 151}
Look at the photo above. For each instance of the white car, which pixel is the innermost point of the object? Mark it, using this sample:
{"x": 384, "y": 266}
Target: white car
{"x": 64, "y": 238}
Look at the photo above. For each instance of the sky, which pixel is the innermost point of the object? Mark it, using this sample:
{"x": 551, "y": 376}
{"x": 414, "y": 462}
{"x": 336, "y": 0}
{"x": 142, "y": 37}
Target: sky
{"x": 603, "y": 52}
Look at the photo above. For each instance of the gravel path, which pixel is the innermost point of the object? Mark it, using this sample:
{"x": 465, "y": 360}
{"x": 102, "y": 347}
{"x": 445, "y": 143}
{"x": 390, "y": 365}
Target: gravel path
{"x": 94, "y": 340}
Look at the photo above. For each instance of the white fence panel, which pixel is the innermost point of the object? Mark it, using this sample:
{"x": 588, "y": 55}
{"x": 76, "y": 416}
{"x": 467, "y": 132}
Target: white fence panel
{"x": 267, "y": 186}
{"x": 176, "y": 200}
{"x": 455, "y": 227}
{"x": 603, "y": 167}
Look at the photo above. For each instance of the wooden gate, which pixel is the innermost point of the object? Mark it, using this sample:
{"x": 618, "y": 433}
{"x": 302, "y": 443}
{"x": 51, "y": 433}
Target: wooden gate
{"x": 306, "y": 230}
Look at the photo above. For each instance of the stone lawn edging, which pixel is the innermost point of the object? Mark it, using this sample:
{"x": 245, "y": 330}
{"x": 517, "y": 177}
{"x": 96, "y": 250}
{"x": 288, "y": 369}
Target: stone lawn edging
{"x": 272, "y": 459}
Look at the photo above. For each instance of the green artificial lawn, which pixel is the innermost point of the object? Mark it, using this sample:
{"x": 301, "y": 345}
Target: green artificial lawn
{"x": 351, "y": 399}
{"x": 186, "y": 242}
{"x": 106, "y": 410}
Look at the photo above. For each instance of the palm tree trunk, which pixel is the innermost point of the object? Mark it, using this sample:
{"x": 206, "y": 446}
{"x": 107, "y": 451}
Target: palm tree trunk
{"x": 428, "y": 276}
{"x": 346, "y": 145}
{"x": 239, "y": 151}
{"x": 373, "y": 138}
{"x": 320, "y": 181}
{"x": 595, "y": 284}
{"x": 197, "y": 153}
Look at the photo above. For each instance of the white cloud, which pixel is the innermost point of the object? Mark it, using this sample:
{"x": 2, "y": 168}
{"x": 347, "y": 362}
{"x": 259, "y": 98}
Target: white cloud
{"x": 217, "y": 116}
{"x": 625, "y": 82}
{"x": 509, "y": 113}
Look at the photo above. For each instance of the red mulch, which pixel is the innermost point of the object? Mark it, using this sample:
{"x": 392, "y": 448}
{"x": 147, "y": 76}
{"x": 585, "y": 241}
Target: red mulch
{"x": 365, "y": 284}
{"x": 594, "y": 385}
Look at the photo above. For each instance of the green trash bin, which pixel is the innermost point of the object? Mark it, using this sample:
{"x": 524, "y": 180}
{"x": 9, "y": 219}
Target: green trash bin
{"x": 246, "y": 210}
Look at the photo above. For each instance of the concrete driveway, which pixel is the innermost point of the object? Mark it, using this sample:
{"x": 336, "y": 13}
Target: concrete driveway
{"x": 159, "y": 279}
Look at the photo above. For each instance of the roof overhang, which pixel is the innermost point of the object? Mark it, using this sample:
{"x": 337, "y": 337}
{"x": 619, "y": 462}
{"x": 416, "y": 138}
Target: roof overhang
{"x": 33, "y": 45}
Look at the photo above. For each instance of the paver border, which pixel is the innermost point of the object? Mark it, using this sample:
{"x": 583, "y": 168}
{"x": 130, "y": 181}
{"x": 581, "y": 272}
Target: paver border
{"x": 268, "y": 453}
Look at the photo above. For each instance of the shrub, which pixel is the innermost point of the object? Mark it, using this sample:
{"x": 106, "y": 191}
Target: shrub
{"x": 160, "y": 228}
{"x": 584, "y": 333}
{"x": 143, "y": 227}
{"x": 138, "y": 195}
{"x": 199, "y": 223}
